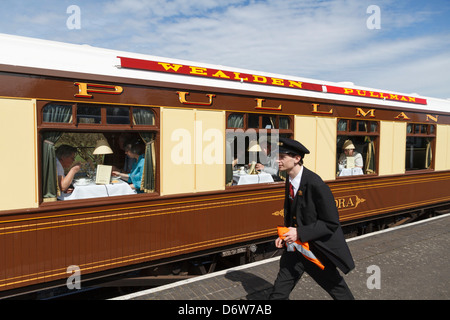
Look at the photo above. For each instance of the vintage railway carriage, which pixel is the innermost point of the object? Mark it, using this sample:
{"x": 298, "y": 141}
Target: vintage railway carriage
{"x": 197, "y": 125}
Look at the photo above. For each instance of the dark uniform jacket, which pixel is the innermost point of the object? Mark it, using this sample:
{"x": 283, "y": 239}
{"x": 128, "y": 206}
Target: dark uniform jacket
{"x": 313, "y": 212}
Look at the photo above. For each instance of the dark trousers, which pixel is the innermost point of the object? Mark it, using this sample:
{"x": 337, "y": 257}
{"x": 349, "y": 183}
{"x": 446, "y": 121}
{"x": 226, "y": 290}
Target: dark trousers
{"x": 292, "y": 266}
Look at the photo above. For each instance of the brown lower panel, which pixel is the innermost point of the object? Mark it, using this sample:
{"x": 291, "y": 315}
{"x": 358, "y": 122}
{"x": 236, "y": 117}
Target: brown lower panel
{"x": 41, "y": 248}
{"x": 362, "y": 199}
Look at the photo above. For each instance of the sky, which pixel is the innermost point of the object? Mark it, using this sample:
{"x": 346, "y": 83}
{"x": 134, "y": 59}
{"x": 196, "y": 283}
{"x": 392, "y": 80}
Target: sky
{"x": 398, "y": 45}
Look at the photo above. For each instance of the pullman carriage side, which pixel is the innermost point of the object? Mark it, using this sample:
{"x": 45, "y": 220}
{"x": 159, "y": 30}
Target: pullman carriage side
{"x": 411, "y": 175}
{"x": 183, "y": 208}
{"x": 198, "y": 141}
{"x": 442, "y": 144}
{"x": 19, "y": 150}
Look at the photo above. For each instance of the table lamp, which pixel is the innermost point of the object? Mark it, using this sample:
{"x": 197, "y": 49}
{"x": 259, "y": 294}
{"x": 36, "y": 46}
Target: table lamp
{"x": 102, "y": 147}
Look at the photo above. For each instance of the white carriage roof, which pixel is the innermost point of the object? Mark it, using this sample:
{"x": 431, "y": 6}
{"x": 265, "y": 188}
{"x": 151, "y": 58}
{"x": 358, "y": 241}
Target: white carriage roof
{"x": 59, "y": 56}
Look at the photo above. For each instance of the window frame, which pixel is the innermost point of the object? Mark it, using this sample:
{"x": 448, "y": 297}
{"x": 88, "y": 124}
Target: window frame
{"x": 260, "y": 121}
{"x": 281, "y": 132}
{"x": 427, "y": 134}
{"x": 97, "y": 126}
{"x": 103, "y": 127}
{"x": 348, "y": 132}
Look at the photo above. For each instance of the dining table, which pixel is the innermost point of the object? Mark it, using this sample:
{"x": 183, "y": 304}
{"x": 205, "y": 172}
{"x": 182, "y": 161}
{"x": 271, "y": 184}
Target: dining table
{"x": 89, "y": 189}
{"x": 240, "y": 178}
{"x": 350, "y": 172}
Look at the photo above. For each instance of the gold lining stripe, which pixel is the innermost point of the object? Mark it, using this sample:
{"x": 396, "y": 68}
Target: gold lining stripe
{"x": 248, "y": 195}
{"x": 61, "y": 272}
{"x": 334, "y": 189}
{"x": 392, "y": 208}
{"x": 132, "y": 215}
{"x": 393, "y": 182}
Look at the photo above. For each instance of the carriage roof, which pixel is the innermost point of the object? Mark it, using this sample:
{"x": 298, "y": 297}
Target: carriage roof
{"x": 65, "y": 57}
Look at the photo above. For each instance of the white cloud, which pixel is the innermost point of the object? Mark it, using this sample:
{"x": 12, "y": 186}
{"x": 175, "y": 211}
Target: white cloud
{"x": 426, "y": 76}
{"x": 160, "y": 9}
{"x": 326, "y": 40}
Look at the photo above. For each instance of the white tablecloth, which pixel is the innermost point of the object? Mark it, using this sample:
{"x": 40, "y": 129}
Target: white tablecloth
{"x": 93, "y": 190}
{"x": 350, "y": 172}
{"x": 262, "y": 177}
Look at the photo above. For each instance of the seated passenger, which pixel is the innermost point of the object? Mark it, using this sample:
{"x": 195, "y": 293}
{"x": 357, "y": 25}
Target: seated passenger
{"x": 134, "y": 150}
{"x": 65, "y": 156}
{"x": 128, "y": 162}
{"x": 271, "y": 163}
{"x": 350, "y": 158}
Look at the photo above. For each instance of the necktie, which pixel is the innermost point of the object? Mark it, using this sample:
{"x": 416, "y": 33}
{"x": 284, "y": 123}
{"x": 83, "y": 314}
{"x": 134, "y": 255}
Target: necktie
{"x": 291, "y": 192}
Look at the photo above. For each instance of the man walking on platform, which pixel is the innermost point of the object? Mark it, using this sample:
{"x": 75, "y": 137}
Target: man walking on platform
{"x": 312, "y": 234}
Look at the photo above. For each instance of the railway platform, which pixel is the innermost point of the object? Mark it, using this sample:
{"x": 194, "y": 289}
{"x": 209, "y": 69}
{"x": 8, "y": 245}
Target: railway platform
{"x": 403, "y": 263}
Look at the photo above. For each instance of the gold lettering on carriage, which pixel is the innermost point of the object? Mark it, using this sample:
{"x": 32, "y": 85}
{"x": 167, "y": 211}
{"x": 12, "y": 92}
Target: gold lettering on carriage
{"x": 402, "y": 116}
{"x": 182, "y": 97}
{"x": 348, "y": 202}
{"x": 316, "y": 109}
{"x": 361, "y": 113}
{"x": 259, "y": 105}
{"x": 84, "y": 89}
{"x": 434, "y": 118}
{"x": 342, "y": 203}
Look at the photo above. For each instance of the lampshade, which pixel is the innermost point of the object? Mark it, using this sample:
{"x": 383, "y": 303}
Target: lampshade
{"x": 254, "y": 146}
{"x": 102, "y": 147}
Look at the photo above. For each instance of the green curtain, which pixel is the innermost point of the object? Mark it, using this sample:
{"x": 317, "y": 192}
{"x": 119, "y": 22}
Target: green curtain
{"x": 370, "y": 156}
{"x": 236, "y": 121}
{"x": 59, "y": 113}
{"x": 229, "y": 162}
{"x": 428, "y": 153}
{"x": 146, "y": 117}
{"x": 52, "y": 113}
{"x": 284, "y": 123}
{"x": 50, "y": 188}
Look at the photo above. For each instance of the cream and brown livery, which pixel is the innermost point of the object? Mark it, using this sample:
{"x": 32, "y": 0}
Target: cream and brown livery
{"x": 182, "y": 113}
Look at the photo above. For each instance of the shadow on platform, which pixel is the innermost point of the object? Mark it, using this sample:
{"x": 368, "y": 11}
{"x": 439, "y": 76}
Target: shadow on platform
{"x": 256, "y": 287}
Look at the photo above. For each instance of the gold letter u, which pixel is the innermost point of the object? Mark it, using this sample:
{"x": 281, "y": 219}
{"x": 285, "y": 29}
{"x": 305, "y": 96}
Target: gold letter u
{"x": 182, "y": 96}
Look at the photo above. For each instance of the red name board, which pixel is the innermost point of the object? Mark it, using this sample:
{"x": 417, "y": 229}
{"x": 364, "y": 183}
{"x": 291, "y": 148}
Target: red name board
{"x": 214, "y": 73}
{"x": 375, "y": 94}
{"x": 159, "y": 66}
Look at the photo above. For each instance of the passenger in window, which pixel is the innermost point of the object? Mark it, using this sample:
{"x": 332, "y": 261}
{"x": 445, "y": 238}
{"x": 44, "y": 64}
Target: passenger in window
{"x": 134, "y": 150}
{"x": 128, "y": 162}
{"x": 65, "y": 157}
{"x": 350, "y": 159}
{"x": 238, "y": 153}
{"x": 271, "y": 159}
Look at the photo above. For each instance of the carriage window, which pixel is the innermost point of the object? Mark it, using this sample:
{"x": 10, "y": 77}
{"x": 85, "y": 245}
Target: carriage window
{"x": 268, "y": 122}
{"x": 89, "y": 114}
{"x": 419, "y": 146}
{"x": 58, "y": 113}
{"x": 284, "y": 123}
{"x": 250, "y": 141}
{"x": 253, "y": 121}
{"x": 235, "y": 121}
{"x": 143, "y": 117}
{"x": 118, "y": 115}
{"x": 113, "y": 154}
{"x": 356, "y": 140}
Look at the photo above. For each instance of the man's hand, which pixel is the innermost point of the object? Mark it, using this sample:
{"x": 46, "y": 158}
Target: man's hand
{"x": 279, "y": 243}
{"x": 291, "y": 235}
{"x": 288, "y": 237}
{"x": 259, "y": 166}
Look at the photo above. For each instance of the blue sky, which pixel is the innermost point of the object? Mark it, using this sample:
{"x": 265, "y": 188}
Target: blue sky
{"x": 319, "y": 39}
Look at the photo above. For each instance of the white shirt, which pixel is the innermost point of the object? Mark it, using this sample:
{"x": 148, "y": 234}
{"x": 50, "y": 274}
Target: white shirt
{"x": 272, "y": 165}
{"x": 59, "y": 168}
{"x": 358, "y": 159}
{"x": 296, "y": 181}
